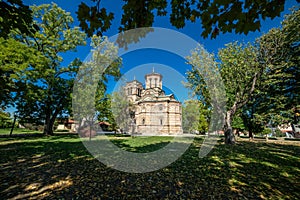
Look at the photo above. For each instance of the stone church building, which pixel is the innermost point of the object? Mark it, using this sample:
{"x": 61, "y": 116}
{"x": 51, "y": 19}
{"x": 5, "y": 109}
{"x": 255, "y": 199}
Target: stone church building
{"x": 154, "y": 111}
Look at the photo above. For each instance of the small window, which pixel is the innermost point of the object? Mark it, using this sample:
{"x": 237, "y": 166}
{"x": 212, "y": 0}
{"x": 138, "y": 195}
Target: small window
{"x": 161, "y": 122}
{"x": 143, "y": 121}
{"x": 160, "y": 107}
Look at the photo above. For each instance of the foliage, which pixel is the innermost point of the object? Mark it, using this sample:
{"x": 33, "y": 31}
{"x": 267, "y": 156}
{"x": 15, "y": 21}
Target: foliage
{"x": 216, "y": 16}
{"x": 206, "y": 83}
{"x": 247, "y": 170}
{"x": 46, "y": 88}
{"x": 239, "y": 70}
{"x": 238, "y": 123}
{"x": 194, "y": 117}
{"x": 90, "y": 100}
{"x": 104, "y": 107}
{"x": 121, "y": 109}
{"x": 5, "y": 120}
{"x": 278, "y": 52}
{"x": 15, "y": 57}
{"x": 15, "y": 15}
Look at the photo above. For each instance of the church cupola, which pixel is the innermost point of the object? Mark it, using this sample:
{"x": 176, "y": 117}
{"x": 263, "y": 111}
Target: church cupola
{"x": 133, "y": 90}
{"x": 153, "y": 80}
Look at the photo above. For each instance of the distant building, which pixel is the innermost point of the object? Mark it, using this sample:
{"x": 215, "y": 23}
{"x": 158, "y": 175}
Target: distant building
{"x": 154, "y": 111}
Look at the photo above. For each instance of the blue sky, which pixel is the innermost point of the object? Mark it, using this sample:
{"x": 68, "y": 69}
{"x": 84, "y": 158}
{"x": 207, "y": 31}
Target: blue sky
{"x": 137, "y": 59}
{"x": 191, "y": 29}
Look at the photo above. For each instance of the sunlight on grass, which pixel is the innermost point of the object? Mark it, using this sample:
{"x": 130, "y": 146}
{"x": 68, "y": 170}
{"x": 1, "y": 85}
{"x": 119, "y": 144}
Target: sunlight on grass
{"x": 59, "y": 167}
{"x": 34, "y": 190}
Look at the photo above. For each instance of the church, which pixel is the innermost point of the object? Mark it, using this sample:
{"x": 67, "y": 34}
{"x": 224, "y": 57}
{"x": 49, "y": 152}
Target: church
{"x": 154, "y": 112}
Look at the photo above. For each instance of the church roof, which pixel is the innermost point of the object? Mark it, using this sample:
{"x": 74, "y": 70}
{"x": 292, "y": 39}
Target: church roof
{"x": 160, "y": 98}
{"x": 134, "y": 81}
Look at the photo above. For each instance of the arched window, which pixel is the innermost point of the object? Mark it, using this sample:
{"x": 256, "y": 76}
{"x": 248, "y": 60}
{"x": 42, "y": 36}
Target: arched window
{"x": 143, "y": 121}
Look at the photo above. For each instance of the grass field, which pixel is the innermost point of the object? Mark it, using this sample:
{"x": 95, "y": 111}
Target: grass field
{"x": 59, "y": 167}
{"x": 6, "y": 131}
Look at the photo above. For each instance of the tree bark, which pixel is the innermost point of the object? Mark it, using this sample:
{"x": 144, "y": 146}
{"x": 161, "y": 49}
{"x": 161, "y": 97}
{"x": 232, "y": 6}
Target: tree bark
{"x": 48, "y": 128}
{"x": 250, "y": 134}
{"x": 13, "y": 125}
{"x": 229, "y": 136}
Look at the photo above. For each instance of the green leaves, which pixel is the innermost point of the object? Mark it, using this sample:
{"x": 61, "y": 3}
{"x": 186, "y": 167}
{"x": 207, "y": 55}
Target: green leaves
{"x": 216, "y": 16}
{"x": 93, "y": 19}
{"x": 15, "y": 15}
{"x": 195, "y": 117}
{"x": 15, "y": 58}
{"x": 44, "y": 87}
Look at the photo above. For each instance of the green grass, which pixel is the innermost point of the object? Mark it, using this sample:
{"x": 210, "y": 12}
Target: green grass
{"x": 6, "y": 131}
{"x": 141, "y": 144}
{"x": 59, "y": 167}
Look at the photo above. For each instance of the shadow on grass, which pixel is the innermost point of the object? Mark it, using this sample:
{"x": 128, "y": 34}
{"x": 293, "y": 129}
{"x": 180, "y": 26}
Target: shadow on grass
{"x": 141, "y": 147}
{"x": 60, "y": 167}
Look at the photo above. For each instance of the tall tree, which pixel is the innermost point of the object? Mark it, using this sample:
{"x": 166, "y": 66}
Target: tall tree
{"x": 47, "y": 88}
{"x": 240, "y": 73}
{"x": 122, "y": 109}
{"x": 278, "y": 52}
{"x": 90, "y": 101}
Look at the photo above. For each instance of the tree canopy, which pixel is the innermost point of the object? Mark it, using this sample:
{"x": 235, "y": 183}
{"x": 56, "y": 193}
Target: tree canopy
{"x": 15, "y": 15}
{"x": 261, "y": 80}
{"x": 217, "y": 16}
{"x": 45, "y": 89}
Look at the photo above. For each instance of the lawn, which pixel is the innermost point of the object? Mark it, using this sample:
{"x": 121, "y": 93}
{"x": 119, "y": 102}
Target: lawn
{"x": 6, "y": 131}
{"x": 60, "y": 167}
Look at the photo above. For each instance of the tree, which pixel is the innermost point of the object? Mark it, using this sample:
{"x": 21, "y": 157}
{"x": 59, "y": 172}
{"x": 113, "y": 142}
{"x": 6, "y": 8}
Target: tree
{"x": 205, "y": 80}
{"x": 194, "y": 117}
{"x": 104, "y": 107}
{"x": 90, "y": 101}
{"x": 216, "y": 16}
{"x": 238, "y": 123}
{"x": 262, "y": 80}
{"x": 15, "y": 57}
{"x": 240, "y": 72}
{"x": 46, "y": 89}
{"x": 278, "y": 52}
{"x": 121, "y": 108}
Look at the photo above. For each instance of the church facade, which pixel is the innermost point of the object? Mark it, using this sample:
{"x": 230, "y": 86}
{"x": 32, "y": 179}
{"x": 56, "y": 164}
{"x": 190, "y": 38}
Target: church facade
{"x": 154, "y": 111}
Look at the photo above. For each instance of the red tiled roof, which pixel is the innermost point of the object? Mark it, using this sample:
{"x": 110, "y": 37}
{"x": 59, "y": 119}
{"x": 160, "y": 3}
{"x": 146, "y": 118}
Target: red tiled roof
{"x": 104, "y": 123}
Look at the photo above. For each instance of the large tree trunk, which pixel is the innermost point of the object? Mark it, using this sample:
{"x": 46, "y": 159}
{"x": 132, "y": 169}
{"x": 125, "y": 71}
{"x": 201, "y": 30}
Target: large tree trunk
{"x": 48, "y": 128}
{"x": 250, "y": 134}
{"x": 229, "y": 136}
